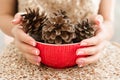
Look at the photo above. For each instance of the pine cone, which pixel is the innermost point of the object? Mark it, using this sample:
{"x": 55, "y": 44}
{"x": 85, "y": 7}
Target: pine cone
{"x": 83, "y": 31}
{"x": 33, "y": 23}
{"x": 59, "y": 29}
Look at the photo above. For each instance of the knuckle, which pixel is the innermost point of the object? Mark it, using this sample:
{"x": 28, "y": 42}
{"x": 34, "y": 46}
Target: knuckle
{"x": 26, "y": 49}
{"x": 31, "y": 61}
{"x": 95, "y": 40}
{"x": 97, "y": 56}
{"x": 27, "y": 40}
{"x": 91, "y": 51}
{"x": 21, "y": 46}
{"x": 100, "y": 47}
{"x": 96, "y": 59}
{"x": 27, "y": 56}
{"x": 30, "y": 50}
{"x": 92, "y": 41}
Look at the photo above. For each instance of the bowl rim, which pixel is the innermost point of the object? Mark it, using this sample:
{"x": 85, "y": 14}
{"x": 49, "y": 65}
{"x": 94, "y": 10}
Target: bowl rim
{"x": 58, "y": 44}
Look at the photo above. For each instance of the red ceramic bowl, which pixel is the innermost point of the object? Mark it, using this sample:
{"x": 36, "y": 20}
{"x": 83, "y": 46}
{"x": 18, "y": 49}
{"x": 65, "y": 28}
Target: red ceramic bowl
{"x": 58, "y": 56}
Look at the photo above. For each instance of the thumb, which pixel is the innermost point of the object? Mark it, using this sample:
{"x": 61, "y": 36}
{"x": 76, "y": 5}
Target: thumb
{"x": 96, "y": 19}
{"x": 17, "y": 18}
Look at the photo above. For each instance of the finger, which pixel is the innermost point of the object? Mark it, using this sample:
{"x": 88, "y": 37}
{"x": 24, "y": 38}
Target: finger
{"x": 33, "y": 59}
{"x": 88, "y": 60}
{"x": 22, "y": 36}
{"x": 92, "y": 50}
{"x": 99, "y": 37}
{"x": 96, "y": 19}
{"x": 91, "y": 41}
{"x": 27, "y": 48}
{"x": 88, "y": 51}
{"x": 93, "y": 58}
{"x": 18, "y": 18}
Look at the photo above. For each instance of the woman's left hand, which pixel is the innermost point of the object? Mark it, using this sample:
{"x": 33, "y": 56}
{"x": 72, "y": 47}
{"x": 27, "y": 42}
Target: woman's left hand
{"x": 96, "y": 43}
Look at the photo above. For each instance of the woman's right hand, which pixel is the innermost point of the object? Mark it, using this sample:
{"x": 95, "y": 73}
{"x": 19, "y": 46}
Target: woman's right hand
{"x": 24, "y": 42}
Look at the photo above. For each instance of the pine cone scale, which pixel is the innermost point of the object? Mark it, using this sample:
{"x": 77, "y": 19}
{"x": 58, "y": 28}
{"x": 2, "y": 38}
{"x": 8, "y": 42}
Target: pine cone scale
{"x": 57, "y": 29}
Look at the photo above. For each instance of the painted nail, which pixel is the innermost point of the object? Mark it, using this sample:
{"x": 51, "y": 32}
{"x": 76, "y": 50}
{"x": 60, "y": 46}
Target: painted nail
{"x": 83, "y": 44}
{"x": 38, "y": 59}
{"x": 36, "y": 52}
{"x": 81, "y": 63}
{"x": 80, "y": 52}
{"x": 38, "y": 64}
{"x": 33, "y": 43}
{"x": 97, "y": 22}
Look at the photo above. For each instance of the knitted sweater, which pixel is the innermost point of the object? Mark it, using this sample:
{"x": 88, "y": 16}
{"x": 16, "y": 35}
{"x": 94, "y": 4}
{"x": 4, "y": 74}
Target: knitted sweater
{"x": 76, "y": 9}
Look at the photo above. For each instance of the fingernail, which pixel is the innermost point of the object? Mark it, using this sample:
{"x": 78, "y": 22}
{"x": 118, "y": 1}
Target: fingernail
{"x": 97, "y": 22}
{"x": 38, "y": 59}
{"x": 14, "y": 20}
{"x": 33, "y": 43}
{"x": 80, "y": 63}
{"x": 83, "y": 44}
{"x": 80, "y": 52}
{"x": 38, "y": 64}
{"x": 36, "y": 52}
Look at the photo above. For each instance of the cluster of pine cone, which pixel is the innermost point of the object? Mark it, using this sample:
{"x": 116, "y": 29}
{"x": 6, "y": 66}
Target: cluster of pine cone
{"x": 57, "y": 29}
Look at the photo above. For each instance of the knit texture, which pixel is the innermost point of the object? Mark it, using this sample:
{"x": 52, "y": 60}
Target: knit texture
{"x": 15, "y": 67}
{"x": 77, "y": 9}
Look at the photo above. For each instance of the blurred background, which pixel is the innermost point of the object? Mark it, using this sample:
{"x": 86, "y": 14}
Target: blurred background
{"x": 116, "y": 38}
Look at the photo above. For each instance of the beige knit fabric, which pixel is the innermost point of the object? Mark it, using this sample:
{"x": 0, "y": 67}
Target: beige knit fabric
{"x": 13, "y": 66}
{"x": 76, "y": 9}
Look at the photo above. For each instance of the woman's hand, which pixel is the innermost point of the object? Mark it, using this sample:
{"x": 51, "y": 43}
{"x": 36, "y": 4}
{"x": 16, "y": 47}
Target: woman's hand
{"x": 96, "y": 43}
{"x": 24, "y": 42}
